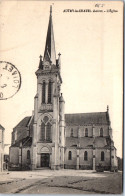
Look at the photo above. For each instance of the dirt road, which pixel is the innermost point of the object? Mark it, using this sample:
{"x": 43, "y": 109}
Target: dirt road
{"x": 61, "y": 182}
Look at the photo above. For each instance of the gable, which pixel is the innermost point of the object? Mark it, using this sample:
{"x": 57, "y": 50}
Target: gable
{"x": 24, "y": 122}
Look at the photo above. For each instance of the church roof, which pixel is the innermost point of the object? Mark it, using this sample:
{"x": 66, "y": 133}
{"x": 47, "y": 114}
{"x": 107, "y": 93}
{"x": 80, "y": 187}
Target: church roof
{"x": 26, "y": 142}
{"x": 87, "y": 118}
{"x": 1, "y": 127}
{"x": 84, "y": 142}
{"x": 75, "y": 119}
{"x": 24, "y": 122}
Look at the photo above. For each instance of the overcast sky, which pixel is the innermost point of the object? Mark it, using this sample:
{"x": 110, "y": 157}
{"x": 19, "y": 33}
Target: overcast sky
{"x": 91, "y": 45}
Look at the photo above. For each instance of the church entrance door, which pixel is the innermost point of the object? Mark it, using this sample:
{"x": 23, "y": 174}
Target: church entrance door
{"x": 45, "y": 157}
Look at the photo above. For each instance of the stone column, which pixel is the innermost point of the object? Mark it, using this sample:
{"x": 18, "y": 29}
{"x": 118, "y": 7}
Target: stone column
{"x": 35, "y": 108}
{"x": 34, "y": 157}
{"x": 53, "y": 158}
{"x": 94, "y": 157}
{"x": 94, "y": 168}
{"x": 34, "y": 134}
{"x": 77, "y": 161}
{"x": 62, "y": 157}
{"x": 55, "y": 125}
{"x": 62, "y": 128}
{"x": 39, "y": 90}
{"x": 20, "y": 155}
{"x": 112, "y": 158}
{"x": 93, "y": 131}
{"x": 34, "y": 148}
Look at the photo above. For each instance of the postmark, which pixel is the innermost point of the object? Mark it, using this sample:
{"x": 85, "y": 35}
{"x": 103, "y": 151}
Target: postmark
{"x": 10, "y": 80}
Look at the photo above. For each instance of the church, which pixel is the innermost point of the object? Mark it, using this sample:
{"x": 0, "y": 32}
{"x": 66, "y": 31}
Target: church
{"x": 52, "y": 139}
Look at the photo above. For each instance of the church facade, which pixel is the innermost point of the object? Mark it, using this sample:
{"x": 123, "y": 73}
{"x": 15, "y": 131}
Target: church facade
{"x": 52, "y": 139}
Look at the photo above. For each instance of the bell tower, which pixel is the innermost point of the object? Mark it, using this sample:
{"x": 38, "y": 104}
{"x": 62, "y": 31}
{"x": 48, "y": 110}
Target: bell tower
{"x": 48, "y": 128}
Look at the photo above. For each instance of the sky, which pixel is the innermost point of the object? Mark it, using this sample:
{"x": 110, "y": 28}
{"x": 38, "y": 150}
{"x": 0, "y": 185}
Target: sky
{"x": 91, "y": 47}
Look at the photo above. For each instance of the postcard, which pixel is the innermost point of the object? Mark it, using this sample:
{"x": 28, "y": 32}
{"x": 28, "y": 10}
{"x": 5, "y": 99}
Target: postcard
{"x": 61, "y": 97}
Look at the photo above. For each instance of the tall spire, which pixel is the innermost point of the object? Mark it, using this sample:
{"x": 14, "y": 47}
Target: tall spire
{"x": 50, "y": 53}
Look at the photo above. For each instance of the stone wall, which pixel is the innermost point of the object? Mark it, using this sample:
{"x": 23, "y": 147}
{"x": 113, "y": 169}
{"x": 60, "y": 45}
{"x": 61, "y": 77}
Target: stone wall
{"x": 14, "y": 158}
{"x": 26, "y": 162}
{"x": 70, "y": 164}
{"x": 19, "y": 133}
{"x": 79, "y": 131}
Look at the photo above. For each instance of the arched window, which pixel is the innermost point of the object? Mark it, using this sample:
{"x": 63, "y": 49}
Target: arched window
{"x": 45, "y": 119}
{"x": 85, "y": 156}
{"x": 71, "y": 132}
{"x": 15, "y": 135}
{"x": 101, "y": 132}
{"x": 45, "y": 130}
{"x": 86, "y": 132}
{"x": 28, "y": 154}
{"x": 42, "y": 132}
{"x": 49, "y": 92}
{"x": 102, "y": 156}
{"x": 43, "y": 92}
{"x": 70, "y": 155}
{"x": 48, "y": 132}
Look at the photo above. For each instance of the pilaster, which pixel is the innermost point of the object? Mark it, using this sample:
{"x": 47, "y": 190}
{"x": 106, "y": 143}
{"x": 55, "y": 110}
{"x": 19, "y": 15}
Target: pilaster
{"x": 77, "y": 161}
{"x": 94, "y": 155}
{"x": 34, "y": 134}
{"x": 35, "y": 109}
{"x": 39, "y": 90}
{"x": 94, "y": 167}
{"x": 34, "y": 157}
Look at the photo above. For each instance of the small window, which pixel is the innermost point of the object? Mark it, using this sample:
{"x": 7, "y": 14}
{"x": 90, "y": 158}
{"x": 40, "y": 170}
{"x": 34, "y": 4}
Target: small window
{"x": 102, "y": 156}
{"x": 86, "y": 132}
{"x": 15, "y": 135}
{"x": 49, "y": 92}
{"x": 101, "y": 132}
{"x": 42, "y": 132}
{"x": 70, "y": 155}
{"x": 48, "y": 132}
{"x": 43, "y": 92}
{"x": 71, "y": 132}
{"x": 28, "y": 154}
{"x": 85, "y": 156}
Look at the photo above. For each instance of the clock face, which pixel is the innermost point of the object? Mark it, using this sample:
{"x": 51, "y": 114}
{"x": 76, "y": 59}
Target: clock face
{"x": 10, "y": 80}
{"x": 47, "y": 67}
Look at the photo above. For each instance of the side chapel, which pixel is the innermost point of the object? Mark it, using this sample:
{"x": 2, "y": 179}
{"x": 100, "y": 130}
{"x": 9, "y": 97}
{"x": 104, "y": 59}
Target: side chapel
{"x": 52, "y": 139}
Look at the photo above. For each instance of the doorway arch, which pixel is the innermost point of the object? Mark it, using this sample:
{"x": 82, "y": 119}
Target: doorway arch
{"x": 45, "y": 157}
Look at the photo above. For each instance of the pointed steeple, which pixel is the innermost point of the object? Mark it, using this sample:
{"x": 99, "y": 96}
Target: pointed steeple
{"x": 50, "y": 53}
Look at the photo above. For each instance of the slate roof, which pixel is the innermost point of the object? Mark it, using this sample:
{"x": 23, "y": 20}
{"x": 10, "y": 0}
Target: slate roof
{"x": 76, "y": 119}
{"x": 26, "y": 142}
{"x": 24, "y": 122}
{"x": 87, "y": 142}
{"x": 87, "y": 118}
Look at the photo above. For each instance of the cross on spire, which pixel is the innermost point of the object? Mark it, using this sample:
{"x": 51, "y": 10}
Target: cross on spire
{"x": 50, "y": 10}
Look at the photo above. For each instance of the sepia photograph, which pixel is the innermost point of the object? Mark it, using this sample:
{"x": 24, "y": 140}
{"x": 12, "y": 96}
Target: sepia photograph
{"x": 61, "y": 97}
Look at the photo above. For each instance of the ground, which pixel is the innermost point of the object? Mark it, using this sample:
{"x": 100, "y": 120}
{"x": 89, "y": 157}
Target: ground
{"x": 61, "y": 182}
